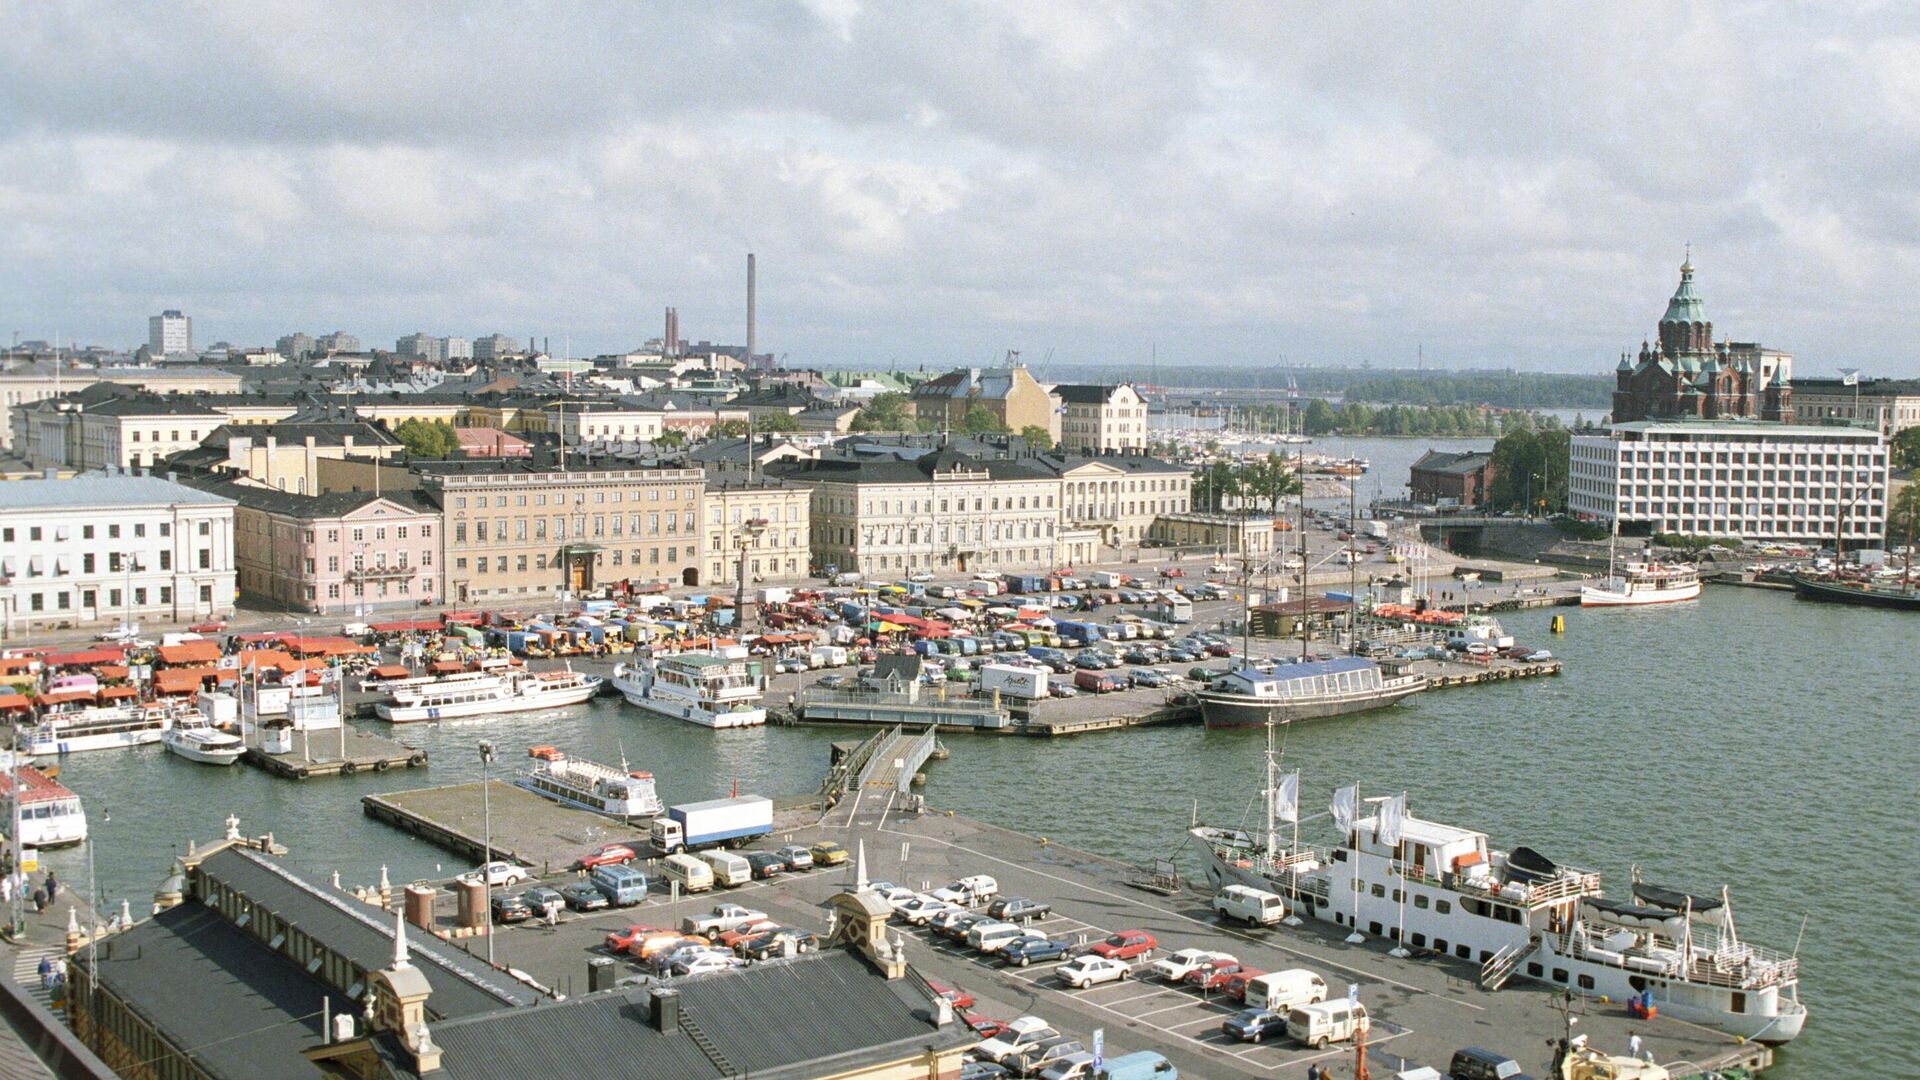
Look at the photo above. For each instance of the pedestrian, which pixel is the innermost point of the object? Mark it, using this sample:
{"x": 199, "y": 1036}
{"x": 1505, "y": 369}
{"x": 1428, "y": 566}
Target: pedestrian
{"x": 46, "y": 972}
{"x": 1633, "y": 1045}
{"x": 1313, "y": 1072}
{"x": 39, "y": 900}
{"x": 53, "y": 887}
{"x": 6, "y": 890}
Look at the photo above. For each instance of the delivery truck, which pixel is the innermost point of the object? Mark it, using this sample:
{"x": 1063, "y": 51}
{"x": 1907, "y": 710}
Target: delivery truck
{"x": 731, "y": 822}
{"x": 1014, "y": 680}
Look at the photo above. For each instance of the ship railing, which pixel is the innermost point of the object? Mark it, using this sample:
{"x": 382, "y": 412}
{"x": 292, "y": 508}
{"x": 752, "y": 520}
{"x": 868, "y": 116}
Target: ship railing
{"x": 1577, "y": 883}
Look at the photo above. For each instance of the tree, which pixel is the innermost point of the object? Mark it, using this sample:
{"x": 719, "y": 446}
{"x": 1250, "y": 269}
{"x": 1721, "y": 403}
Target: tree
{"x": 1903, "y": 514}
{"x": 730, "y": 429}
{"x": 427, "y": 438}
{"x": 1320, "y": 418}
{"x": 671, "y": 437}
{"x": 776, "y": 422}
{"x": 1213, "y": 485}
{"x": 981, "y": 421}
{"x": 891, "y": 411}
{"x": 1903, "y": 450}
{"x": 1530, "y": 470}
{"x": 1037, "y": 437}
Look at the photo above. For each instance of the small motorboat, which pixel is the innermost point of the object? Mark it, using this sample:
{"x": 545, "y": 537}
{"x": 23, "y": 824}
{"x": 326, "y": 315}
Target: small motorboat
{"x": 204, "y": 743}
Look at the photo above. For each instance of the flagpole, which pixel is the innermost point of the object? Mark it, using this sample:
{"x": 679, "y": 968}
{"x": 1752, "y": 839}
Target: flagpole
{"x": 1357, "y": 937}
{"x": 1400, "y": 949}
{"x": 1293, "y": 878}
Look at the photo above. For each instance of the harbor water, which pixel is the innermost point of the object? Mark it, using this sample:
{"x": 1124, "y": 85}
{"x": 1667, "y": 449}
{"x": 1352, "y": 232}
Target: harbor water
{"x": 1749, "y": 739}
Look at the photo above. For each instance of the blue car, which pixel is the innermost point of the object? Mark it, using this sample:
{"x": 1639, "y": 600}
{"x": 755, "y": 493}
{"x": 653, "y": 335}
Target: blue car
{"x": 1253, "y": 1025}
{"x": 1022, "y": 951}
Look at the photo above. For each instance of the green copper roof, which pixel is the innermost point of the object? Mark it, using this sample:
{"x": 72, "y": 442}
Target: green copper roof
{"x": 1685, "y": 307}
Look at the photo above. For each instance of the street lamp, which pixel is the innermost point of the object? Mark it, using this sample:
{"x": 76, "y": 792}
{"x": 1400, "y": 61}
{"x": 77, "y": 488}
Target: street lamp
{"x": 486, "y": 819}
{"x": 749, "y": 534}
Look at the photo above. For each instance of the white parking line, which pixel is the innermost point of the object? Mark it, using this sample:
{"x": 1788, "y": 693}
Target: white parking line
{"x": 1144, "y": 1015}
{"x": 1143, "y": 997}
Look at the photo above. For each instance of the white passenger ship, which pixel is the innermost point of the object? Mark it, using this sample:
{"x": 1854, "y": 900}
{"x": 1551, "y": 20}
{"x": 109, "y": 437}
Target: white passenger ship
{"x": 50, "y": 815}
{"x": 701, "y": 688}
{"x": 1641, "y": 583}
{"x": 100, "y": 727}
{"x": 1251, "y": 697}
{"x": 487, "y": 696}
{"x": 617, "y": 793}
{"x": 1443, "y": 891}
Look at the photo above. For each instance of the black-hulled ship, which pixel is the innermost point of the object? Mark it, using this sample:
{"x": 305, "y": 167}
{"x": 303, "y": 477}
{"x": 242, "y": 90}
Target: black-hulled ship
{"x": 1858, "y": 593}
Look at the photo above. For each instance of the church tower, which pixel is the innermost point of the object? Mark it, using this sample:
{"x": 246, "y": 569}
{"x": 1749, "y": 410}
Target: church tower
{"x": 1684, "y": 328}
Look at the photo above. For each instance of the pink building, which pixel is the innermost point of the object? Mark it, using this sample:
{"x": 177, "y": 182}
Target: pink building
{"x": 337, "y": 552}
{"x": 491, "y": 442}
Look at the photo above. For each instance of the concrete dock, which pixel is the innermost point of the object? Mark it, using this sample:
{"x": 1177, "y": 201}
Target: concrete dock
{"x": 526, "y": 828}
{"x": 1423, "y": 1008}
{"x": 320, "y": 754}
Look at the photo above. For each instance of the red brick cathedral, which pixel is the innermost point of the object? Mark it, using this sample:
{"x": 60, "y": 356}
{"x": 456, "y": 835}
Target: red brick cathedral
{"x": 1689, "y": 375}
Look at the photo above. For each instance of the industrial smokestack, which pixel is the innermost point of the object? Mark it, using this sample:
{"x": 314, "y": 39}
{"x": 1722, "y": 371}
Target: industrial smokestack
{"x": 749, "y": 310}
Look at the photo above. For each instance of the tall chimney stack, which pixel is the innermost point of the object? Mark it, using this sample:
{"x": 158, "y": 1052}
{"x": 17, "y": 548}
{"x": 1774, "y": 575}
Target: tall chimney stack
{"x": 749, "y": 311}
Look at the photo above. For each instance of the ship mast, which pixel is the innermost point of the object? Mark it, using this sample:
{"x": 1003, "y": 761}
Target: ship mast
{"x": 1301, "y": 475}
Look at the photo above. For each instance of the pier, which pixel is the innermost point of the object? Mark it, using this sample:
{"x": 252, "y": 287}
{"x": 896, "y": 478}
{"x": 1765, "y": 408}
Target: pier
{"x": 333, "y": 753}
{"x": 527, "y": 829}
{"x": 1446, "y": 674}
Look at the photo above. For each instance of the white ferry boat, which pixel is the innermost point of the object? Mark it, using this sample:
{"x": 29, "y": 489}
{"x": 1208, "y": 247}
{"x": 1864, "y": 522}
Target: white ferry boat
{"x": 1442, "y": 891}
{"x": 1643, "y": 583}
{"x": 487, "y": 696}
{"x": 197, "y": 740}
{"x": 103, "y": 727}
{"x": 617, "y": 793}
{"x": 1251, "y": 697}
{"x": 700, "y": 688}
{"x": 50, "y": 815}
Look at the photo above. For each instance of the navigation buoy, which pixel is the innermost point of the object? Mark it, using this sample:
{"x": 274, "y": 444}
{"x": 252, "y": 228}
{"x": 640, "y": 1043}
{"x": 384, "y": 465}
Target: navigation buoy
{"x": 1558, "y": 625}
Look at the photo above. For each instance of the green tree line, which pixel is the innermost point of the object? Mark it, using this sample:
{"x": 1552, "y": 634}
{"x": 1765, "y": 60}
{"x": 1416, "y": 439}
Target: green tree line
{"x": 1264, "y": 483}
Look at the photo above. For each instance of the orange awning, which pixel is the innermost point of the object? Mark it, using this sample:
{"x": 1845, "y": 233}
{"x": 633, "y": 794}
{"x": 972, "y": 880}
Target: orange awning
{"x": 188, "y": 680}
{"x": 64, "y": 697}
{"x": 87, "y": 658}
{"x": 390, "y": 671}
{"x": 190, "y": 652}
{"x": 15, "y": 701}
{"x": 117, "y": 693}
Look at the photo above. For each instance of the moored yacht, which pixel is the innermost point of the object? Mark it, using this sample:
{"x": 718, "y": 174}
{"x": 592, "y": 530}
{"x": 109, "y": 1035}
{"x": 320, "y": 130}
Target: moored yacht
{"x": 618, "y": 793}
{"x": 1641, "y": 583}
{"x": 197, "y": 740}
{"x": 487, "y": 696}
{"x": 1310, "y": 690}
{"x": 1444, "y": 891}
{"x": 50, "y": 815}
{"x": 701, "y": 688}
{"x": 101, "y": 727}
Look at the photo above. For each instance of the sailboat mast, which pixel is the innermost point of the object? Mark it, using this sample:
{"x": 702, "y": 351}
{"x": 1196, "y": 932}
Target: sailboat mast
{"x": 1273, "y": 793}
{"x": 1301, "y": 475}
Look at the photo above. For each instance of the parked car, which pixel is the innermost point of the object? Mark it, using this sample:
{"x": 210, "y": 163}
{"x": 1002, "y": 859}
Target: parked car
{"x": 1179, "y": 965}
{"x": 1147, "y": 677}
{"x": 1213, "y": 974}
{"x": 1033, "y": 948}
{"x": 722, "y": 918}
{"x": 622, "y": 939}
{"x": 919, "y": 910}
{"x": 704, "y": 963}
{"x": 894, "y": 895}
{"x": 665, "y": 959}
{"x": 737, "y": 937}
{"x": 920, "y": 576}
{"x": 607, "y": 855}
{"x": 542, "y": 901}
{"x": 982, "y": 1070}
{"x": 583, "y": 896}
{"x": 957, "y": 926}
{"x": 1125, "y": 945}
{"x": 968, "y": 891}
{"x": 508, "y": 908}
{"x": 499, "y": 872}
{"x": 959, "y": 999}
{"x": 1018, "y": 909}
{"x": 1254, "y": 1025}
{"x": 1236, "y": 984}
{"x": 827, "y": 853}
{"x": 215, "y": 627}
{"x": 1082, "y": 972}
{"x": 779, "y": 942}
{"x": 651, "y": 946}
{"x": 1020, "y": 1034}
{"x": 1030, "y": 1060}
{"x": 1063, "y": 689}
{"x": 1479, "y": 1063}
{"x": 766, "y": 864}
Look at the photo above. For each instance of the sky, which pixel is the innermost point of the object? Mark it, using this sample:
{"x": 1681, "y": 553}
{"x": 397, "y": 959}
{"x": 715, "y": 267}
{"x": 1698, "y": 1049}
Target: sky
{"x": 936, "y": 184}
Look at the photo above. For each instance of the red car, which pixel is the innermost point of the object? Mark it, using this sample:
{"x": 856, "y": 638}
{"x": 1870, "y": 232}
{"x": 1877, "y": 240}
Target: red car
{"x": 620, "y": 939}
{"x": 608, "y": 855}
{"x": 214, "y": 627}
{"x": 1236, "y": 986}
{"x": 1126, "y": 945}
{"x": 1173, "y": 571}
{"x": 1213, "y": 974}
{"x": 988, "y": 1028}
{"x": 960, "y": 999}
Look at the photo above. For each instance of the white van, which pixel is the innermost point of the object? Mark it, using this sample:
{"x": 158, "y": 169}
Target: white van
{"x": 729, "y": 870}
{"x": 992, "y": 936}
{"x": 1255, "y": 907}
{"x": 1328, "y": 1021}
{"x": 690, "y": 873}
{"x": 1282, "y": 991}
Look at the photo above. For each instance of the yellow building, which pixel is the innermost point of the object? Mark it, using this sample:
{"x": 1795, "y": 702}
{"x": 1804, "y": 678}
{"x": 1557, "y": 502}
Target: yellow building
{"x": 1011, "y": 395}
{"x": 776, "y": 548}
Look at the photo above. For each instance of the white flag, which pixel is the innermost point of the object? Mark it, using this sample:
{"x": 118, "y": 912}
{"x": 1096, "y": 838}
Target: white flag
{"x": 1343, "y": 806}
{"x": 1849, "y": 376}
{"x": 1286, "y": 797}
{"x": 1393, "y": 821}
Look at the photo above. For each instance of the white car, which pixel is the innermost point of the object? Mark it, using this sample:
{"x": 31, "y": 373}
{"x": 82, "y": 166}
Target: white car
{"x": 1175, "y": 967}
{"x": 1022, "y": 1033}
{"x": 123, "y": 634}
{"x": 920, "y": 910}
{"x": 499, "y": 873}
{"x": 1292, "y": 562}
{"x": 921, "y": 576}
{"x": 702, "y": 964}
{"x": 1084, "y": 971}
{"x": 968, "y": 891}
{"x": 896, "y": 896}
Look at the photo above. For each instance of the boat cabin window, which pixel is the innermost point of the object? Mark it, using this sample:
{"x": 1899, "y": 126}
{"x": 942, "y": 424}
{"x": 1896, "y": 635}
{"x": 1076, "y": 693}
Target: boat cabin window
{"x": 1419, "y": 901}
{"x": 1443, "y": 906}
{"x": 1463, "y": 952}
{"x": 1500, "y": 912}
{"x": 1379, "y": 891}
{"x": 1585, "y": 982}
{"x": 1739, "y": 1001}
{"x": 1534, "y": 970}
{"x": 1559, "y": 975}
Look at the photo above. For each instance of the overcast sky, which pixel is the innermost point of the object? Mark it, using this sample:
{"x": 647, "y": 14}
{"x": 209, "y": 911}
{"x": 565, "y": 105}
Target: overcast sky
{"x": 936, "y": 184}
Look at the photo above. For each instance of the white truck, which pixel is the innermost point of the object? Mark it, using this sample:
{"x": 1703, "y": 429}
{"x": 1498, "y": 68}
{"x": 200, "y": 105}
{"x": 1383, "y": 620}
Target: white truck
{"x": 717, "y": 821}
{"x": 825, "y": 656}
{"x": 1015, "y": 680}
{"x": 1107, "y": 579}
{"x": 723, "y": 918}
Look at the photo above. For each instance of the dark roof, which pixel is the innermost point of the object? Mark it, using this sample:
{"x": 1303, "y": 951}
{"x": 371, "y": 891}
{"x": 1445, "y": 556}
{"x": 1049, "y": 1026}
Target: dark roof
{"x": 204, "y": 984}
{"x": 309, "y": 507}
{"x": 1867, "y": 387}
{"x": 778, "y": 1019}
{"x": 461, "y": 987}
{"x": 297, "y": 432}
{"x": 1058, "y": 463}
{"x": 905, "y": 668}
{"x": 1083, "y": 394}
{"x": 1444, "y": 461}
{"x": 904, "y": 466}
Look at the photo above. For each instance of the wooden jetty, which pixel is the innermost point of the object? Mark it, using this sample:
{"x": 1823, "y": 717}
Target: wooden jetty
{"x": 528, "y": 829}
{"x": 321, "y": 755}
{"x": 1444, "y": 674}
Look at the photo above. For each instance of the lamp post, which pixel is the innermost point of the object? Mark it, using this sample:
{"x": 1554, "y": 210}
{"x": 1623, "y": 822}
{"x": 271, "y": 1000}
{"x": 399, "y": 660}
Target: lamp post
{"x": 486, "y": 828}
{"x": 749, "y": 534}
